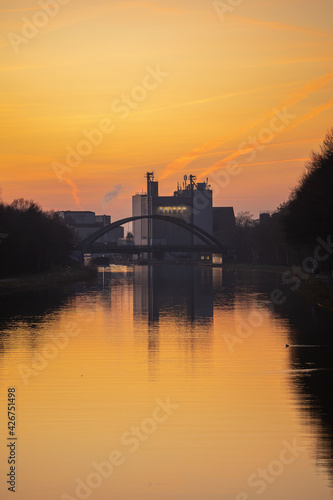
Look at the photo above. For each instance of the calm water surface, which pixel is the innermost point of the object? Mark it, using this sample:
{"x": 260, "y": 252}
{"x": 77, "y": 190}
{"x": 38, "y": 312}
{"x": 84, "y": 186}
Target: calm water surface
{"x": 168, "y": 383}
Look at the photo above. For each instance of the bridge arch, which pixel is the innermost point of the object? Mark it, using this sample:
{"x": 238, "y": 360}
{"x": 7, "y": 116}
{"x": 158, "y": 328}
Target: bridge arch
{"x": 203, "y": 235}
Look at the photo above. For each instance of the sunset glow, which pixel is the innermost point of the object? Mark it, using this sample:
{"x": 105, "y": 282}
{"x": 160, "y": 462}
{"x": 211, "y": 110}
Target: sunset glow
{"x": 95, "y": 94}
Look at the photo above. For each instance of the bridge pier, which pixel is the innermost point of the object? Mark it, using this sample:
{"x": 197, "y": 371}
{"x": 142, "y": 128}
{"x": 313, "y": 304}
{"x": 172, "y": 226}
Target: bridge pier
{"x": 77, "y": 256}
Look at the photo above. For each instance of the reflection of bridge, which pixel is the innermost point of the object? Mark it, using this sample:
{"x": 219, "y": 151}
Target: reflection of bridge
{"x": 212, "y": 243}
{"x": 140, "y": 249}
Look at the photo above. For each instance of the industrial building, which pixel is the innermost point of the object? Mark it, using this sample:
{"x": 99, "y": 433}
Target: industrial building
{"x": 224, "y": 225}
{"x": 192, "y": 202}
{"x": 85, "y": 223}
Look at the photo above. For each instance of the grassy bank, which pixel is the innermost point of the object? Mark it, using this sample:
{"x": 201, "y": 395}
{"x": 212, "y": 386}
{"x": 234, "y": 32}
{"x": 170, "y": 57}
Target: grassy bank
{"x": 234, "y": 266}
{"x": 45, "y": 280}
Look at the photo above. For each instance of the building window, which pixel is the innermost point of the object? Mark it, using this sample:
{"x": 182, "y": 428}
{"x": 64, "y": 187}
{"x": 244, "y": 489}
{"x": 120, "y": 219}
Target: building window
{"x": 172, "y": 210}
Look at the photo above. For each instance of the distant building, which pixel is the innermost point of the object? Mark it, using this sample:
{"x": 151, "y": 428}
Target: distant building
{"x": 224, "y": 224}
{"x": 264, "y": 217}
{"x": 84, "y": 223}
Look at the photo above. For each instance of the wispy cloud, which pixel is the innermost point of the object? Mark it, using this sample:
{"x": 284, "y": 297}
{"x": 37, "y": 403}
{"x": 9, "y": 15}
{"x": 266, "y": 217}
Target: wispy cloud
{"x": 99, "y": 12}
{"x": 236, "y": 154}
{"x": 111, "y": 195}
{"x": 308, "y": 89}
{"x": 33, "y": 67}
{"x": 272, "y": 162}
{"x": 291, "y": 100}
{"x": 312, "y": 114}
{"x": 274, "y": 145}
{"x": 272, "y": 25}
{"x": 19, "y": 10}
{"x": 125, "y": 5}
{"x": 206, "y": 100}
{"x": 282, "y": 62}
{"x": 130, "y": 5}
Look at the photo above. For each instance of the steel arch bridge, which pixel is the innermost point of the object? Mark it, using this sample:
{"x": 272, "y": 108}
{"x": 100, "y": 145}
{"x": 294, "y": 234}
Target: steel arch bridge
{"x": 214, "y": 244}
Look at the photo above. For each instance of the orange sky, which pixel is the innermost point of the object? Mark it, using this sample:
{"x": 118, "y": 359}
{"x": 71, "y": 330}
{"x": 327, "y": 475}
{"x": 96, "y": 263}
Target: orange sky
{"x": 179, "y": 86}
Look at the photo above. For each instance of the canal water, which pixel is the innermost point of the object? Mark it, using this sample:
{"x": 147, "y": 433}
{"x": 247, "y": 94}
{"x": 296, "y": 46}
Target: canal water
{"x": 167, "y": 383}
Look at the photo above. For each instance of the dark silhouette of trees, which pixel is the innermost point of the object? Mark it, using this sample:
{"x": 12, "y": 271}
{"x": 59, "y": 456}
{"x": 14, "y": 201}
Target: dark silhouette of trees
{"x": 272, "y": 247}
{"x": 36, "y": 241}
{"x": 244, "y": 219}
{"x": 244, "y": 237}
{"x": 308, "y": 213}
{"x": 290, "y": 234}
{"x": 263, "y": 241}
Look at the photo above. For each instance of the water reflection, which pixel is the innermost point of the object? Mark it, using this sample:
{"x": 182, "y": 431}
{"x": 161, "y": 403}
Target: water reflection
{"x": 152, "y": 332}
{"x": 311, "y": 353}
{"x": 28, "y": 312}
{"x": 163, "y": 290}
{"x": 163, "y": 294}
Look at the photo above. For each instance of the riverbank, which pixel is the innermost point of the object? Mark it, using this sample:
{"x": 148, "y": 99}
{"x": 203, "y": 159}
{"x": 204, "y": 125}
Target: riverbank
{"x": 318, "y": 288}
{"x": 234, "y": 266}
{"x": 42, "y": 281}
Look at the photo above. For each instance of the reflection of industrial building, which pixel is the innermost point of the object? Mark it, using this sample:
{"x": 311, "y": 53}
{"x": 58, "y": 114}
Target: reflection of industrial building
{"x": 83, "y": 224}
{"x": 173, "y": 291}
{"x": 164, "y": 295}
{"x": 191, "y": 202}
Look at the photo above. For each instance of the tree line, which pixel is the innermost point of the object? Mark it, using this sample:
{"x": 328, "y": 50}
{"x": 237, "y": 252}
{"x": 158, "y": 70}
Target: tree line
{"x": 292, "y": 233}
{"x": 32, "y": 240}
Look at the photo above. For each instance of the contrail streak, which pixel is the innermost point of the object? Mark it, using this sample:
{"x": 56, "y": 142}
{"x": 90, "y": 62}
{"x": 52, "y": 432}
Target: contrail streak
{"x": 74, "y": 192}
{"x": 293, "y": 99}
{"x": 19, "y": 10}
{"x": 308, "y": 116}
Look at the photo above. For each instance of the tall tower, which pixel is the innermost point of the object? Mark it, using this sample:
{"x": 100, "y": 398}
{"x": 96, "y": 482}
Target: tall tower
{"x": 142, "y": 204}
